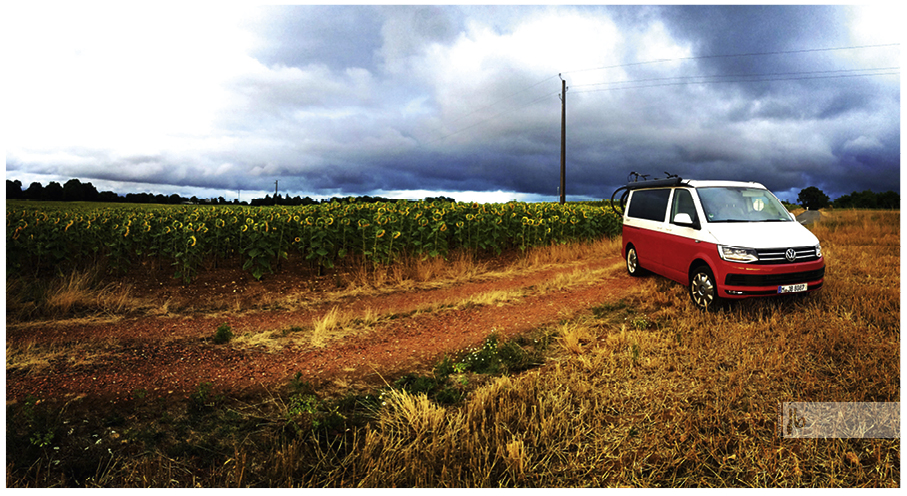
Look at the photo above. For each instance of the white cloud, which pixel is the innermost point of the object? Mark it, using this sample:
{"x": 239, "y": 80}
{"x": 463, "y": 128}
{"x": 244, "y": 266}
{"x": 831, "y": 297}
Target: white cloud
{"x": 863, "y": 144}
{"x": 128, "y": 76}
{"x": 657, "y": 44}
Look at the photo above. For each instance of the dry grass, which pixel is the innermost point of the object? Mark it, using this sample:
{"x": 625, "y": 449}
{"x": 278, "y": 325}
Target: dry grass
{"x": 34, "y": 359}
{"x": 644, "y": 392}
{"x": 336, "y": 324}
{"x": 558, "y": 254}
{"x": 654, "y": 393}
{"x": 83, "y": 292}
{"x": 412, "y": 271}
{"x": 333, "y": 325}
{"x": 77, "y": 293}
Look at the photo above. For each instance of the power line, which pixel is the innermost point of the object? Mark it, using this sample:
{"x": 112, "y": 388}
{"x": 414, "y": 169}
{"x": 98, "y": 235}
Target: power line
{"x": 679, "y": 80}
{"x": 716, "y": 76}
{"x": 491, "y": 118}
{"x": 754, "y": 54}
{"x": 755, "y": 78}
{"x": 503, "y": 99}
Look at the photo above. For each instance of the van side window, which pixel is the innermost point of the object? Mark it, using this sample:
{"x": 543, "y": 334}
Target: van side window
{"x": 649, "y": 204}
{"x": 683, "y": 204}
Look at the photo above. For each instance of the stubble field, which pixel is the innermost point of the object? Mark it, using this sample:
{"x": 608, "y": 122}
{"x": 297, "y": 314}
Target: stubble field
{"x": 546, "y": 368}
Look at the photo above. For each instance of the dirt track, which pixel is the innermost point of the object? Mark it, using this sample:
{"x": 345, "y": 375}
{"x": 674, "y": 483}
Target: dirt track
{"x": 168, "y": 357}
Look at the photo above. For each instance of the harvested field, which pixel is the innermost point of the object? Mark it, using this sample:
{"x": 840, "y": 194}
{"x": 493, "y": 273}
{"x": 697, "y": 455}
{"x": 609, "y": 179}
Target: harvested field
{"x": 600, "y": 379}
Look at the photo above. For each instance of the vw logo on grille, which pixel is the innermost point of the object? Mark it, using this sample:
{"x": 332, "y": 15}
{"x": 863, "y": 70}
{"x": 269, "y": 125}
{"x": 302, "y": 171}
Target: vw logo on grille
{"x": 790, "y": 255}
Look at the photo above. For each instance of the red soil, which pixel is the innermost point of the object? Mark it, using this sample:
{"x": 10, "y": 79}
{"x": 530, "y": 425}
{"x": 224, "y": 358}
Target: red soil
{"x": 168, "y": 357}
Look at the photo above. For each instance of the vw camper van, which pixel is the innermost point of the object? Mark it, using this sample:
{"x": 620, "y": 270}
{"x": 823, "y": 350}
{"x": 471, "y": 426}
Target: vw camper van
{"x": 722, "y": 239}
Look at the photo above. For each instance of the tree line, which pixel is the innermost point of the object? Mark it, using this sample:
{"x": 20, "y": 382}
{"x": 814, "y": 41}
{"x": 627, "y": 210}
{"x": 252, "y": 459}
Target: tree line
{"x": 813, "y": 198}
{"x": 76, "y": 190}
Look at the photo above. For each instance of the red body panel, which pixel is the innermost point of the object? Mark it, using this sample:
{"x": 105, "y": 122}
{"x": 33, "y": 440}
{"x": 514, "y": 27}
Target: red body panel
{"x": 672, "y": 255}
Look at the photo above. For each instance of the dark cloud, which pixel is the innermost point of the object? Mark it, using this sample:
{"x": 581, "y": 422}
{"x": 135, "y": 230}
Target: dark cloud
{"x": 715, "y": 32}
{"x": 348, "y": 100}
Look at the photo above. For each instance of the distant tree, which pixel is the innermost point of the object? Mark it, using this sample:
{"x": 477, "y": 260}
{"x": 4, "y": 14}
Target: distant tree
{"x": 53, "y": 192}
{"x": 108, "y": 196}
{"x": 890, "y": 200}
{"x": 440, "y": 199}
{"x": 75, "y": 190}
{"x": 13, "y": 189}
{"x": 72, "y": 190}
{"x": 868, "y": 199}
{"x": 89, "y": 192}
{"x": 34, "y": 192}
{"x": 139, "y": 198}
{"x": 812, "y": 198}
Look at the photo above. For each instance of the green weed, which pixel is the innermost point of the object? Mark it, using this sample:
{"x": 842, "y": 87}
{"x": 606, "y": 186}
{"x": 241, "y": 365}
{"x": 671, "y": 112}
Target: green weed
{"x": 223, "y": 334}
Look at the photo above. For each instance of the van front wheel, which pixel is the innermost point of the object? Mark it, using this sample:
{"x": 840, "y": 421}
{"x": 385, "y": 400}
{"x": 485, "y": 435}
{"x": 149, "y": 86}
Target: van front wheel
{"x": 703, "y": 290}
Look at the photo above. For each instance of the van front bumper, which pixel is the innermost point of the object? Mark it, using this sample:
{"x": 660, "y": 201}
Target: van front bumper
{"x": 769, "y": 280}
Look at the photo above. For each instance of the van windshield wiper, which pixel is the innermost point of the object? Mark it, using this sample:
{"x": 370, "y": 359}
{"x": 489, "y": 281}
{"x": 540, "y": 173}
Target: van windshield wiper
{"x": 748, "y": 220}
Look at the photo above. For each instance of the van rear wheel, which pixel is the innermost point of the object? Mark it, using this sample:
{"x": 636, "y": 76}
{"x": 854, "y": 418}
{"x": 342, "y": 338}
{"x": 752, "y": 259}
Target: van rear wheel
{"x": 704, "y": 290}
{"x": 633, "y": 267}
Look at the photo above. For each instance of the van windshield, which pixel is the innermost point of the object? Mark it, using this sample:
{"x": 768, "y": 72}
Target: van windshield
{"x": 741, "y": 204}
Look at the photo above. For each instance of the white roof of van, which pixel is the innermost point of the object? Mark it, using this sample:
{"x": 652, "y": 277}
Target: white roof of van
{"x": 711, "y": 183}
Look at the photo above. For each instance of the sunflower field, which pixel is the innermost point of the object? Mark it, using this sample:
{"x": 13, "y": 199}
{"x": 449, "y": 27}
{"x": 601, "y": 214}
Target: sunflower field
{"x": 52, "y": 236}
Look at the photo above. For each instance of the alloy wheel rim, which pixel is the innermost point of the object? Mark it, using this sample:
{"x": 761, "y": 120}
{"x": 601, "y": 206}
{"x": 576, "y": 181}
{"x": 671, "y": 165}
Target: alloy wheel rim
{"x": 703, "y": 290}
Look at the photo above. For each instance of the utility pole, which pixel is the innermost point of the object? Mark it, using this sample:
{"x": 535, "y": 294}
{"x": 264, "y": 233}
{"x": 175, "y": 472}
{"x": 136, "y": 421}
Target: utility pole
{"x": 563, "y": 97}
{"x": 275, "y": 192}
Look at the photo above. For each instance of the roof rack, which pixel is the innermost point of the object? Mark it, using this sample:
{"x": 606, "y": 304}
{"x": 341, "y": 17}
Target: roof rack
{"x": 671, "y": 180}
{"x": 655, "y": 183}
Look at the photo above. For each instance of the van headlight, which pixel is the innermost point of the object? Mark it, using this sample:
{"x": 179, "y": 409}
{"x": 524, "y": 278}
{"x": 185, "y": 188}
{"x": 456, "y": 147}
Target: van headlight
{"x": 736, "y": 254}
{"x": 819, "y": 251}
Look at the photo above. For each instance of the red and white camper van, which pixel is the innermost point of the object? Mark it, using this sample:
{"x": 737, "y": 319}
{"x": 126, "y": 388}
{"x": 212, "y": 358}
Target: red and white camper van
{"x": 723, "y": 239}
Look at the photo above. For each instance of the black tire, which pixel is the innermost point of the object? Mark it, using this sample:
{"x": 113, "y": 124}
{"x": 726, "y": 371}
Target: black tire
{"x": 704, "y": 289}
{"x": 632, "y": 259}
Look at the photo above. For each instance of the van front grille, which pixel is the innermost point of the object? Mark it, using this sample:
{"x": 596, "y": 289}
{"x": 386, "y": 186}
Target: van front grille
{"x": 779, "y": 255}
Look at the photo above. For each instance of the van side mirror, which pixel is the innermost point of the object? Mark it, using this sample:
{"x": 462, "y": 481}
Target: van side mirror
{"x": 683, "y": 219}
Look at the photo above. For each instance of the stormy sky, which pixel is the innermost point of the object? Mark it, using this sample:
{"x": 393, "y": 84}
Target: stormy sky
{"x": 464, "y": 101}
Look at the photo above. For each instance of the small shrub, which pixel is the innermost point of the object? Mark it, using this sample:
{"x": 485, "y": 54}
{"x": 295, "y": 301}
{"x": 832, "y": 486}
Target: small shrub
{"x": 223, "y": 334}
{"x": 513, "y": 357}
{"x": 202, "y": 399}
{"x": 445, "y": 367}
{"x": 484, "y": 360}
{"x": 303, "y": 404}
{"x": 416, "y": 384}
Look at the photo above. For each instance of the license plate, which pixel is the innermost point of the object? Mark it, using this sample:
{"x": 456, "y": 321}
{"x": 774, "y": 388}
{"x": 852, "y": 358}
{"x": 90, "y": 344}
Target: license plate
{"x": 792, "y": 288}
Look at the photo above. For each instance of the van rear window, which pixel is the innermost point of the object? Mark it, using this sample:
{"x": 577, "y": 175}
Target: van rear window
{"x": 649, "y": 204}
